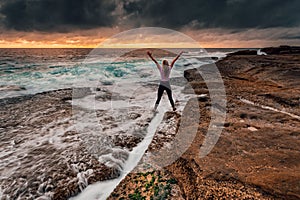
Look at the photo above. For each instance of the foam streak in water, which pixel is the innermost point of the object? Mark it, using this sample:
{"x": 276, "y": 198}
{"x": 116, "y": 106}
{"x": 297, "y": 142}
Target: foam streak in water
{"x": 103, "y": 189}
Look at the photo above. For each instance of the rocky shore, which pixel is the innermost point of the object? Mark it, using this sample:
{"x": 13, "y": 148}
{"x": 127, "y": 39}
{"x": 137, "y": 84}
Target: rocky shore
{"x": 258, "y": 153}
{"x": 42, "y": 156}
{"x": 258, "y": 150}
{"x": 256, "y": 157}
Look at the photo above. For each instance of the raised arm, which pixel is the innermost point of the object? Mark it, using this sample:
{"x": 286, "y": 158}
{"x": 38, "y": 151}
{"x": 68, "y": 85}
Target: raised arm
{"x": 176, "y": 58}
{"x": 150, "y": 55}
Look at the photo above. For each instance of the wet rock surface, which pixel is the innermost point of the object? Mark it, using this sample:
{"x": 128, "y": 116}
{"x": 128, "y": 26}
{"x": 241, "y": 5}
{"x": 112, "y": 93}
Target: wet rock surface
{"x": 4, "y": 88}
{"x": 258, "y": 153}
{"x": 45, "y": 153}
{"x": 256, "y": 157}
{"x": 42, "y": 155}
{"x": 166, "y": 131}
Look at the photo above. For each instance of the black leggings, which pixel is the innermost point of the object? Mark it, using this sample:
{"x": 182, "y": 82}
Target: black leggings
{"x": 162, "y": 87}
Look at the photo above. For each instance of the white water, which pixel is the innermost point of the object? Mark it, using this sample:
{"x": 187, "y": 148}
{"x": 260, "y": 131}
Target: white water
{"x": 102, "y": 190}
{"x": 142, "y": 98}
{"x": 95, "y": 71}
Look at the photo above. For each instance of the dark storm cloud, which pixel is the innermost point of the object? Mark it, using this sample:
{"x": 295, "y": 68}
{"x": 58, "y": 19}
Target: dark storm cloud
{"x": 57, "y": 15}
{"x": 66, "y": 15}
{"x": 215, "y": 14}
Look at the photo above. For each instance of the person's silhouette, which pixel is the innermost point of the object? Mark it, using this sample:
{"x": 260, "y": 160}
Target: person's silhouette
{"x": 165, "y": 70}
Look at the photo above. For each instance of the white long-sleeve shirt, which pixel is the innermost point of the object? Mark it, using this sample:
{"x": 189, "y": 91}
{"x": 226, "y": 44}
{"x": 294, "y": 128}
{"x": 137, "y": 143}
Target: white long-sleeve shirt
{"x": 163, "y": 76}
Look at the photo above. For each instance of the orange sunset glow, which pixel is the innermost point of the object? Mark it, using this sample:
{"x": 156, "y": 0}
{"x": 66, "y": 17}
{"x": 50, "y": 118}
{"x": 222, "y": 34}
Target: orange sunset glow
{"x": 213, "y": 40}
{"x": 210, "y": 38}
{"x": 101, "y": 38}
{"x": 59, "y": 43}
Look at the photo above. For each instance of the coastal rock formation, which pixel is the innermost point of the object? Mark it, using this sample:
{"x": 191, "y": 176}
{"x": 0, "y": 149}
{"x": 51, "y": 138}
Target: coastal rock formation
{"x": 142, "y": 53}
{"x": 42, "y": 155}
{"x": 284, "y": 49}
{"x": 258, "y": 153}
{"x": 256, "y": 157}
{"x": 11, "y": 88}
{"x": 281, "y": 50}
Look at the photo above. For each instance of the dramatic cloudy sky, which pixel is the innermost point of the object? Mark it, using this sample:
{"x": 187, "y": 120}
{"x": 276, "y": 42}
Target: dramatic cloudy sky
{"x": 86, "y": 23}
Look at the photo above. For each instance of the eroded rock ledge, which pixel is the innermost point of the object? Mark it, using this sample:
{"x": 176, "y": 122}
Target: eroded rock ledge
{"x": 258, "y": 153}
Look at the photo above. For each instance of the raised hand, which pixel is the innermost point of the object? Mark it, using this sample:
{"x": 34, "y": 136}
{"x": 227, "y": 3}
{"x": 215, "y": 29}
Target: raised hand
{"x": 150, "y": 55}
{"x": 176, "y": 58}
